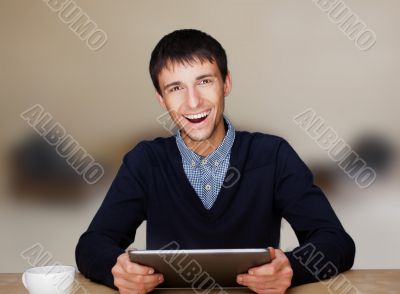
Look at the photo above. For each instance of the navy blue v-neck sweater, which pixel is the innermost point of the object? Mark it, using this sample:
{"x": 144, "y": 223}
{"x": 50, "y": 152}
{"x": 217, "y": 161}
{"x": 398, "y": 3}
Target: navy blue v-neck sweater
{"x": 266, "y": 181}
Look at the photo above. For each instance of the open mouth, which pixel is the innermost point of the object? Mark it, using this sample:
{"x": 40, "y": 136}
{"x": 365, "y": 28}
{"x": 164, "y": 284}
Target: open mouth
{"x": 197, "y": 118}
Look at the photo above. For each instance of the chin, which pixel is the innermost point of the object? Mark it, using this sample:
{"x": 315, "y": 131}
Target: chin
{"x": 199, "y": 136}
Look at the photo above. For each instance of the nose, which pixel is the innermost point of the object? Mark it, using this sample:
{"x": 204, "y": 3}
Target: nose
{"x": 193, "y": 98}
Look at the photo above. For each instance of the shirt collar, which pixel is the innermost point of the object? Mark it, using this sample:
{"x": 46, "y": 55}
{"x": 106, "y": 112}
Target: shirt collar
{"x": 215, "y": 158}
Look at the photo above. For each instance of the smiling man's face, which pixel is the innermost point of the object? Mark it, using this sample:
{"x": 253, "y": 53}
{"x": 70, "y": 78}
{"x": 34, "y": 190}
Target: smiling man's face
{"x": 194, "y": 96}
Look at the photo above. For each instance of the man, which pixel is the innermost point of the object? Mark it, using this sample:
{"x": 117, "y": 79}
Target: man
{"x": 210, "y": 186}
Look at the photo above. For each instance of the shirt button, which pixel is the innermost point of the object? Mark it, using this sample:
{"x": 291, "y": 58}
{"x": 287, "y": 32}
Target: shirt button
{"x": 204, "y": 161}
{"x": 216, "y": 163}
{"x": 207, "y": 187}
{"x": 193, "y": 163}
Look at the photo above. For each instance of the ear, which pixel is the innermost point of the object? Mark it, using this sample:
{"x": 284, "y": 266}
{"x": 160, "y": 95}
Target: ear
{"x": 227, "y": 84}
{"x": 161, "y": 100}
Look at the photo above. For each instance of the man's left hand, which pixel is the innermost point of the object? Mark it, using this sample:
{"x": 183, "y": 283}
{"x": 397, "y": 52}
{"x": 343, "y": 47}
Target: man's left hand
{"x": 271, "y": 278}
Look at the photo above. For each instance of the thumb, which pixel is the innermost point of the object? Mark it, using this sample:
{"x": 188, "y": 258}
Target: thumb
{"x": 271, "y": 251}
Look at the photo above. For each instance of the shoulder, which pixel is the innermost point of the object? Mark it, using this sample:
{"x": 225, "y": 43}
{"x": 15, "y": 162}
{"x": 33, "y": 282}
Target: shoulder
{"x": 262, "y": 148}
{"x": 146, "y": 150}
{"x": 257, "y": 139}
{"x": 261, "y": 142}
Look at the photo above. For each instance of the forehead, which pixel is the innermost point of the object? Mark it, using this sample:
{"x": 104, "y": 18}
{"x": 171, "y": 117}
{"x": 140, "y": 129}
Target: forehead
{"x": 187, "y": 70}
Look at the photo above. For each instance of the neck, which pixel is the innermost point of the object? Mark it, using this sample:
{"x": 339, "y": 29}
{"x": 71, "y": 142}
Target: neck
{"x": 206, "y": 147}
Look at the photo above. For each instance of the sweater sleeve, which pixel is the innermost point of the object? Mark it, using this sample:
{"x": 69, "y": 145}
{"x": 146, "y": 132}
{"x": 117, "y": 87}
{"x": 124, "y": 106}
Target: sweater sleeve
{"x": 114, "y": 226}
{"x": 325, "y": 249}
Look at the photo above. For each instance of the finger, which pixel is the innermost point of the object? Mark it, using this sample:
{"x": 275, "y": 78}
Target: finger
{"x": 279, "y": 282}
{"x": 276, "y": 283}
{"x": 271, "y": 268}
{"x": 155, "y": 284}
{"x": 127, "y": 286}
{"x": 142, "y": 279}
{"x": 150, "y": 286}
{"x": 246, "y": 278}
{"x": 138, "y": 284}
{"x": 279, "y": 253}
{"x": 266, "y": 269}
{"x": 149, "y": 279}
{"x": 135, "y": 268}
{"x": 132, "y": 267}
{"x": 261, "y": 286}
{"x": 123, "y": 258}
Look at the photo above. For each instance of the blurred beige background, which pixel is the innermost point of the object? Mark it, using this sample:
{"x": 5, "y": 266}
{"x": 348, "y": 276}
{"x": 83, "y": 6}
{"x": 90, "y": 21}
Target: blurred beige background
{"x": 284, "y": 56}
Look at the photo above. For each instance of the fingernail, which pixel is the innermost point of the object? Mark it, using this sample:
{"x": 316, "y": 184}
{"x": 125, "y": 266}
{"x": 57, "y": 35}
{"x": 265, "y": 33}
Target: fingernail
{"x": 239, "y": 279}
{"x": 151, "y": 271}
{"x": 161, "y": 278}
{"x": 251, "y": 272}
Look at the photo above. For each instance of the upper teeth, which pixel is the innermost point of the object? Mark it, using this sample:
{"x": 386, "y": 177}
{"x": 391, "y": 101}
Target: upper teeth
{"x": 196, "y": 116}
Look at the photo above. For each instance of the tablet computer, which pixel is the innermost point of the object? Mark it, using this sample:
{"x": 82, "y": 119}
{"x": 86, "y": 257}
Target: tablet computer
{"x": 200, "y": 268}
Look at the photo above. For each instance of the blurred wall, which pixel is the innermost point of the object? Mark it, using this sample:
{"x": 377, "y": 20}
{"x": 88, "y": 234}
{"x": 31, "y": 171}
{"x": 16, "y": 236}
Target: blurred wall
{"x": 284, "y": 56}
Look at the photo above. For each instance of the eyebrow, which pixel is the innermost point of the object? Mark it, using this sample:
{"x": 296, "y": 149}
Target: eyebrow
{"x": 197, "y": 78}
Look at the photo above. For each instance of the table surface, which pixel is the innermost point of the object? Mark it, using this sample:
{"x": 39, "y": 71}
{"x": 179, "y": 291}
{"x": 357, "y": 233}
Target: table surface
{"x": 363, "y": 281}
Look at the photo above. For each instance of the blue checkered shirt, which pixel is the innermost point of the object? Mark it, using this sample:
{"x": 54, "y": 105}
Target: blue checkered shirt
{"x": 206, "y": 174}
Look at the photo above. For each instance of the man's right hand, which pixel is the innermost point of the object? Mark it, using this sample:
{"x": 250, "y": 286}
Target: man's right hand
{"x": 132, "y": 278}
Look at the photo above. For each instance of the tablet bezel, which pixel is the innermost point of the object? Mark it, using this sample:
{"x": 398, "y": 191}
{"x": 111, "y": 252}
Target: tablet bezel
{"x": 223, "y": 276}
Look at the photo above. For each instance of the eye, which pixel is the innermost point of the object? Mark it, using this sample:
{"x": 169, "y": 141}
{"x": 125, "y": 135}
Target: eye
{"x": 205, "y": 81}
{"x": 175, "y": 88}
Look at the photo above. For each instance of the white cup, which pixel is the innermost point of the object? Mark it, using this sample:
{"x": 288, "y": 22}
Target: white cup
{"x": 57, "y": 279}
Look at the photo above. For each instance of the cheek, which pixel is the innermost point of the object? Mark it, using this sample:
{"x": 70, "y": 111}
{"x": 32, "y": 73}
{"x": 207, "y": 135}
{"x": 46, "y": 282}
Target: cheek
{"x": 174, "y": 106}
{"x": 171, "y": 102}
{"x": 212, "y": 94}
